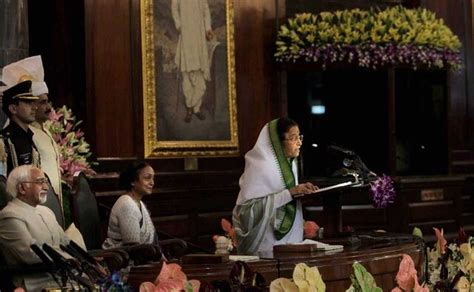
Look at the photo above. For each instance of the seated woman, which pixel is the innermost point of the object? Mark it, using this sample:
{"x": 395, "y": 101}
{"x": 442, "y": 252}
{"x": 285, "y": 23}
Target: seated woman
{"x": 130, "y": 222}
{"x": 266, "y": 213}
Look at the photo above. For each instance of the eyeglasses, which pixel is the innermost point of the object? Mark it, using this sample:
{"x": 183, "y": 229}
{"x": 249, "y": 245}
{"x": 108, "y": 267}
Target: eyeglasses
{"x": 295, "y": 138}
{"x": 39, "y": 181}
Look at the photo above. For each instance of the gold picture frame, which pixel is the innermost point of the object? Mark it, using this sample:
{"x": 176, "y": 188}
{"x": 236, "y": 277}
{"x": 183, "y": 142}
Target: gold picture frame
{"x": 177, "y": 123}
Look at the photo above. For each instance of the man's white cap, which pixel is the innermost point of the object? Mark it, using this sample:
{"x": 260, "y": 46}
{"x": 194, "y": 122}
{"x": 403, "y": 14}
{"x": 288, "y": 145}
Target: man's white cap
{"x": 30, "y": 68}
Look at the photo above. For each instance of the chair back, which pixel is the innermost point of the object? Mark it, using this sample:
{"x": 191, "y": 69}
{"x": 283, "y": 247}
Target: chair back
{"x": 85, "y": 212}
{"x": 4, "y": 195}
{"x": 53, "y": 203}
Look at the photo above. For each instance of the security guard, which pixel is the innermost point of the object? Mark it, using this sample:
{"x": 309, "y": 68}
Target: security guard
{"x": 16, "y": 143}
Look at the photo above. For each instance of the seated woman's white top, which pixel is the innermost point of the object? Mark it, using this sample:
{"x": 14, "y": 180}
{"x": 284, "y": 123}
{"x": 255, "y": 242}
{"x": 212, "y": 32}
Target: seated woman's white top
{"x": 129, "y": 223}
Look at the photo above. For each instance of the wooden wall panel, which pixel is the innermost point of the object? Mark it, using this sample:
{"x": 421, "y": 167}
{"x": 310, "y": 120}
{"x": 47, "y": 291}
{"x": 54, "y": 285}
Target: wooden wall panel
{"x": 56, "y": 32}
{"x": 457, "y": 15}
{"x": 108, "y": 71}
{"x": 255, "y": 70}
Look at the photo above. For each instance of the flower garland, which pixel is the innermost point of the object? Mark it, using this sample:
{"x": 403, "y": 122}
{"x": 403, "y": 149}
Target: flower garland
{"x": 73, "y": 149}
{"x": 396, "y": 36}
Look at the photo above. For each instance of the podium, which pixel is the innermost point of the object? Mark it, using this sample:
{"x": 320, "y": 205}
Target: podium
{"x": 331, "y": 198}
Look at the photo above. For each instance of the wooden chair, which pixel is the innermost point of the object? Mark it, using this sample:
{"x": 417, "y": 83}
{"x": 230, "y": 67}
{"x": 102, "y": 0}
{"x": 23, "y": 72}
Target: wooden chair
{"x": 53, "y": 203}
{"x": 5, "y": 197}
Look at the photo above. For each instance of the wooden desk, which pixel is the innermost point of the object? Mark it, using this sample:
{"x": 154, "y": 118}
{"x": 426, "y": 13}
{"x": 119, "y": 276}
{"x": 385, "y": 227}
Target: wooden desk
{"x": 380, "y": 255}
{"x": 336, "y": 267}
{"x": 205, "y": 273}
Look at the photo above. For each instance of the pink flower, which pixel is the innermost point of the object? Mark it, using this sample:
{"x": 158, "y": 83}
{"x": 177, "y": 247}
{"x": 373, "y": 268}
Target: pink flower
{"x": 170, "y": 285}
{"x": 68, "y": 127}
{"x": 171, "y": 278}
{"x": 171, "y": 271}
{"x": 54, "y": 116}
{"x": 406, "y": 276}
{"x": 229, "y": 230}
{"x": 310, "y": 229}
{"x": 441, "y": 241}
{"x": 147, "y": 287}
{"x": 79, "y": 134}
{"x": 419, "y": 288}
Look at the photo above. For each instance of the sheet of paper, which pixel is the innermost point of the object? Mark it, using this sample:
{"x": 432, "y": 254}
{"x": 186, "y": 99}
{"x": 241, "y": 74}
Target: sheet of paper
{"x": 344, "y": 184}
{"x": 321, "y": 245}
{"x": 243, "y": 258}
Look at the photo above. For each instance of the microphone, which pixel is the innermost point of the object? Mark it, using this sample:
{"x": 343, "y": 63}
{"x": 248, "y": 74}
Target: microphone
{"x": 47, "y": 261}
{"x": 93, "y": 270}
{"x": 190, "y": 244}
{"x": 44, "y": 258}
{"x": 61, "y": 262}
{"x": 341, "y": 150}
{"x": 73, "y": 245}
{"x": 93, "y": 262}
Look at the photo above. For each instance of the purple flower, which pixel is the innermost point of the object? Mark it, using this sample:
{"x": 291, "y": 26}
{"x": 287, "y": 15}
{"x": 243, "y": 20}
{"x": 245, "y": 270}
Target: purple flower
{"x": 375, "y": 56}
{"x": 382, "y": 190}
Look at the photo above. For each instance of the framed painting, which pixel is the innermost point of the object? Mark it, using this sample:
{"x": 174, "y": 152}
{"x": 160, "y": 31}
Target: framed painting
{"x": 188, "y": 66}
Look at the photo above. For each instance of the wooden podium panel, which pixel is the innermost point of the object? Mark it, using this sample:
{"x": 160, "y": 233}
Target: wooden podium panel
{"x": 336, "y": 267}
{"x": 205, "y": 273}
{"x": 379, "y": 253}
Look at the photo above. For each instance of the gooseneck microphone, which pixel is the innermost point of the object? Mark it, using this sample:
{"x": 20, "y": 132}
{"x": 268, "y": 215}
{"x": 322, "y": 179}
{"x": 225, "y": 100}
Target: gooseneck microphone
{"x": 40, "y": 253}
{"x": 93, "y": 270}
{"x": 46, "y": 260}
{"x": 100, "y": 269}
{"x": 73, "y": 245}
{"x": 70, "y": 270}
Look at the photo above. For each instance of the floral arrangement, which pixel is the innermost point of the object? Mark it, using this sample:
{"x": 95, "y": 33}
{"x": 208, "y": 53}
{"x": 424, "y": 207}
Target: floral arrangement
{"x": 396, "y": 36}
{"x": 305, "y": 278}
{"x": 171, "y": 278}
{"x": 451, "y": 266}
{"x": 382, "y": 190}
{"x": 74, "y": 150}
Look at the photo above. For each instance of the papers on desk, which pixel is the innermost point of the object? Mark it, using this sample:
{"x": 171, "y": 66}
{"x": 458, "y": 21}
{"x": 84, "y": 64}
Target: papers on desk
{"x": 243, "y": 258}
{"x": 306, "y": 246}
{"x": 321, "y": 245}
{"x": 344, "y": 184}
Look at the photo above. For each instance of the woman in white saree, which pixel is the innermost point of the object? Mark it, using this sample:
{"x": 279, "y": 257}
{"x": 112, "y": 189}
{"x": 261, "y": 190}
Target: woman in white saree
{"x": 266, "y": 213}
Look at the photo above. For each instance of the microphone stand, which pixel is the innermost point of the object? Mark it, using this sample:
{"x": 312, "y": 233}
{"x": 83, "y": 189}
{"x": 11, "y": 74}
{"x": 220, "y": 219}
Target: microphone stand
{"x": 90, "y": 269}
{"x": 187, "y": 242}
{"x": 67, "y": 267}
{"x": 44, "y": 258}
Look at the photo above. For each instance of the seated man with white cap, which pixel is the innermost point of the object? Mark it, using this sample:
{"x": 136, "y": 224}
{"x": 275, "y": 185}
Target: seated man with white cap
{"x": 17, "y": 147}
{"x": 31, "y": 68}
